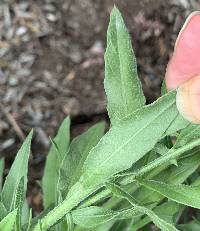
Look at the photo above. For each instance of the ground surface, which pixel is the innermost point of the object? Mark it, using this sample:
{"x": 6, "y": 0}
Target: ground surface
{"x": 51, "y": 64}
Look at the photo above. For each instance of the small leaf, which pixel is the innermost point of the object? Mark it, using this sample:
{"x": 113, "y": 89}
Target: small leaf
{"x": 1, "y": 172}
{"x": 71, "y": 167}
{"x": 18, "y": 170}
{"x": 178, "y": 124}
{"x": 8, "y": 222}
{"x": 129, "y": 141}
{"x": 93, "y": 216}
{"x": 53, "y": 161}
{"x": 163, "y": 88}
{"x": 166, "y": 211}
{"x": 183, "y": 194}
{"x": 188, "y": 134}
{"x": 191, "y": 226}
{"x": 172, "y": 175}
{"x": 162, "y": 224}
{"x": 29, "y": 220}
{"x": 122, "y": 85}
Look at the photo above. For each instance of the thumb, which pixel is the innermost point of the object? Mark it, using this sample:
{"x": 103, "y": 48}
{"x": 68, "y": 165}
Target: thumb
{"x": 183, "y": 70}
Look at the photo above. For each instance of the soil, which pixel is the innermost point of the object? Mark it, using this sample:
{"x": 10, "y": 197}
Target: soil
{"x": 52, "y": 66}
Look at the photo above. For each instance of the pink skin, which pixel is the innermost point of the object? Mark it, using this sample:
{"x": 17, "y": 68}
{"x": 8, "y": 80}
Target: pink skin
{"x": 185, "y": 62}
{"x": 183, "y": 70}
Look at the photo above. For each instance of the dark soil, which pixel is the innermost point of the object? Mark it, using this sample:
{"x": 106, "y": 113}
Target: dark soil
{"x": 51, "y": 65}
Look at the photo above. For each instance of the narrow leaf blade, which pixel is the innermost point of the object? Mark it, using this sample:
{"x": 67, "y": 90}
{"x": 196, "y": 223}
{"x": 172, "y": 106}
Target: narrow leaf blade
{"x": 183, "y": 194}
{"x": 162, "y": 224}
{"x": 191, "y": 132}
{"x": 53, "y": 161}
{"x": 122, "y": 85}
{"x": 18, "y": 170}
{"x": 8, "y": 222}
{"x": 71, "y": 167}
{"x": 1, "y": 172}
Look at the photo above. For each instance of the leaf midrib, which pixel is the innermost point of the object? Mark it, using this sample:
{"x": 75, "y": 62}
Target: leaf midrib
{"x": 132, "y": 137}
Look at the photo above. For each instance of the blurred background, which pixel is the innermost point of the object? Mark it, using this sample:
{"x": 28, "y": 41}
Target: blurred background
{"x": 51, "y": 65}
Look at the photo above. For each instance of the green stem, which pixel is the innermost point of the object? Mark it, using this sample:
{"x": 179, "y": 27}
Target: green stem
{"x": 130, "y": 177}
{"x": 172, "y": 154}
{"x": 62, "y": 209}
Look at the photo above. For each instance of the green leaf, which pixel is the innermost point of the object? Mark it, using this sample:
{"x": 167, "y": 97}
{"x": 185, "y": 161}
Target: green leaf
{"x": 173, "y": 153}
{"x": 178, "y": 124}
{"x": 183, "y": 194}
{"x": 18, "y": 203}
{"x": 162, "y": 149}
{"x": 53, "y": 161}
{"x": 166, "y": 211}
{"x": 71, "y": 167}
{"x": 1, "y": 172}
{"x": 191, "y": 132}
{"x": 26, "y": 213}
{"x": 159, "y": 222}
{"x": 172, "y": 175}
{"x": 122, "y": 86}
{"x": 29, "y": 220}
{"x": 129, "y": 141}
{"x": 192, "y": 226}
{"x": 8, "y": 222}
{"x": 93, "y": 216}
{"x": 163, "y": 88}
{"x": 3, "y": 211}
{"x": 106, "y": 226}
{"x": 18, "y": 170}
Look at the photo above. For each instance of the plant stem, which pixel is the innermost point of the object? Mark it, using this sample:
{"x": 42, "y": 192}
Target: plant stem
{"x": 173, "y": 153}
{"x": 76, "y": 196}
{"x": 129, "y": 178}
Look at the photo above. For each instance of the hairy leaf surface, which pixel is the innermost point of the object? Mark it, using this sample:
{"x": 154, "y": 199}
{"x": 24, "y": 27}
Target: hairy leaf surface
{"x": 123, "y": 88}
{"x": 184, "y": 194}
{"x": 159, "y": 222}
{"x": 130, "y": 140}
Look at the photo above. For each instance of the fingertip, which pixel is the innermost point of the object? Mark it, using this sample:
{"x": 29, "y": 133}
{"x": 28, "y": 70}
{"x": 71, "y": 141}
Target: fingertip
{"x": 188, "y": 100}
{"x": 185, "y": 62}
